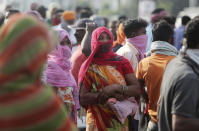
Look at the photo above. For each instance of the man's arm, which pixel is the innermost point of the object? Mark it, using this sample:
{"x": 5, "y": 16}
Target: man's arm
{"x": 86, "y": 42}
{"x": 185, "y": 105}
{"x": 180, "y": 123}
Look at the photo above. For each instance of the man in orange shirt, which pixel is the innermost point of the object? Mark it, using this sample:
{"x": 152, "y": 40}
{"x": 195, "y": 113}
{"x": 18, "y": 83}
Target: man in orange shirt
{"x": 150, "y": 70}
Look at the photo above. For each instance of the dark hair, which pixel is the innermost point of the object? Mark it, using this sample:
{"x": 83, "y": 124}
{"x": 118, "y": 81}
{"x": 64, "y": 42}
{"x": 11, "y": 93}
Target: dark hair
{"x": 85, "y": 14}
{"x": 122, "y": 18}
{"x": 157, "y": 10}
{"x": 59, "y": 11}
{"x": 162, "y": 31}
{"x": 42, "y": 11}
{"x": 131, "y": 26}
{"x": 185, "y": 20}
{"x": 191, "y": 33}
{"x": 2, "y": 18}
{"x": 78, "y": 9}
{"x": 11, "y": 12}
{"x": 170, "y": 19}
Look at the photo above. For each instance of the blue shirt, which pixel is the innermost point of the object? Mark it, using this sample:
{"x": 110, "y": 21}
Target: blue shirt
{"x": 178, "y": 36}
{"x": 150, "y": 36}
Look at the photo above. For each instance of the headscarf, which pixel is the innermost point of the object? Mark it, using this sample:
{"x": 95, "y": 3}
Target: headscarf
{"x": 35, "y": 14}
{"x": 58, "y": 71}
{"x": 25, "y": 105}
{"x": 23, "y": 48}
{"x": 68, "y": 15}
{"x": 120, "y": 36}
{"x": 157, "y": 16}
{"x": 102, "y": 59}
{"x": 34, "y": 6}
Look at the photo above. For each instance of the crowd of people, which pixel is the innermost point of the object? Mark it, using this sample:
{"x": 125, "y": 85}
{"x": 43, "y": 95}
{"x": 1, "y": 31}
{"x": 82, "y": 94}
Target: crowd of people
{"x": 58, "y": 66}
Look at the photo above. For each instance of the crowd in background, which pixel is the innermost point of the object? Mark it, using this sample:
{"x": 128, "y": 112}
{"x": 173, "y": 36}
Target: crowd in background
{"x": 59, "y": 66}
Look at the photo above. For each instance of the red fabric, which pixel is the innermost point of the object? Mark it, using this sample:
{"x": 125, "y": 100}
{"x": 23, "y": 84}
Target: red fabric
{"x": 56, "y": 21}
{"x": 125, "y": 68}
{"x": 102, "y": 59}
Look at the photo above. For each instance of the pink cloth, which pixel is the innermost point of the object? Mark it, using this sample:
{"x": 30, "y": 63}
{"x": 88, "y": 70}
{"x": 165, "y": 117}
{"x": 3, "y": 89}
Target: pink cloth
{"x": 156, "y": 17}
{"x": 140, "y": 43}
{"x": 59, "y": 66}
{"x": 123, "y": 108}
{"x": 35, "y": 14}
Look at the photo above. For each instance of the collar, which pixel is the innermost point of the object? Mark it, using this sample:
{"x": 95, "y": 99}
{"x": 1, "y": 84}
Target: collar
{"x": 193, "y": 54}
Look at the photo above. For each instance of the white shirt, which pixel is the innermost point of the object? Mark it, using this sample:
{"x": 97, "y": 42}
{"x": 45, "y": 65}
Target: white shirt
{"x": 131, "y": 53}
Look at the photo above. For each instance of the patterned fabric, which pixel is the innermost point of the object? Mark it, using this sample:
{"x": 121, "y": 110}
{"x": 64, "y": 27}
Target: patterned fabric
{"x": 66, "y": 94}
{"x": 109, "y": 58}
{"x": 98, "y": 75}
{"x": 24, "y": 105}
{"x": 101, "y": 117}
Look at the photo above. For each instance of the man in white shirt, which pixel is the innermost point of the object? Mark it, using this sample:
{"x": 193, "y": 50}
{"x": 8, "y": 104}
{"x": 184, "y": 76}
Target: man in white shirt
{"x": 136, "y": 41}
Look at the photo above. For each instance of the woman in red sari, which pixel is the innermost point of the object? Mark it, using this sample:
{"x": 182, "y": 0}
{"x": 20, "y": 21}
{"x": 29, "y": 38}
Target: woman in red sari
{"x": 102, "y": 76}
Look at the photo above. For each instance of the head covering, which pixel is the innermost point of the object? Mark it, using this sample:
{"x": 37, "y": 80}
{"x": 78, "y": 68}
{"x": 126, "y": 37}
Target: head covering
{"x": 26, "y": 34}
{"x": 25, "y": 105}
{"x": 120, "y": 36}
{"x": 42, "y": 11}
{"x": 157, "y": 16}
{"x": 34, "y": 6}
{"x": 102, "y": 59}
{"x": 35, "y": 14}
{"x": 68, "y": 15}
{"x": 58, "y": 71}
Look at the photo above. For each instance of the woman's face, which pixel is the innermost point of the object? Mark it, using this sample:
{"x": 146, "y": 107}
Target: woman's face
{"x": 104, "y": 37}
{"x": 67, "y": 42}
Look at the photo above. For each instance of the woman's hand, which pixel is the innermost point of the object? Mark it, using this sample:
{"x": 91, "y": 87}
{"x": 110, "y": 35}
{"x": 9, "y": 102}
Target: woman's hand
{"x": 114, "y": 91}
{"x": 102, "y": 97}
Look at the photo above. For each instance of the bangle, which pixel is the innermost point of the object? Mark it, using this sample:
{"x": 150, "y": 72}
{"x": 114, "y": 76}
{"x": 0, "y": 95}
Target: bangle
{"x": 124, "y": 88}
